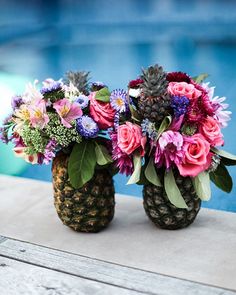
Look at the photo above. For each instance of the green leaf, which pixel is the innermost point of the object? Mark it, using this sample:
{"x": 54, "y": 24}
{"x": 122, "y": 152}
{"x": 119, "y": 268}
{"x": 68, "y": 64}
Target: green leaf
{"x": 200, "y": 78}
{"x": 221, "y": 178}
{"x": 172, "y": 190}
{"x": 143, "y": 180}
{"x": 102, "y": 155}
{"x": 103, "y": 95}
{"x": 227, "y": 158}
{"x": 135, "y": 177}
{"x": 134, "y": 114}
{"x": 82, "y": 163}
{"x": 151, "y": 174}
{"x": 201, "y": 184}
{"x": 164, "y": 125}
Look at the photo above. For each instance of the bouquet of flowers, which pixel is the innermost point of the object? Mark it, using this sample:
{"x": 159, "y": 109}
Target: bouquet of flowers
{"x": 168, "y": 140}
{"x": 68, "y": 122}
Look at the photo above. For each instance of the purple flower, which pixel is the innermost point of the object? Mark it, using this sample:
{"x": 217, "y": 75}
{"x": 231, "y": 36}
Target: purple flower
{"x": 82, "y": 100}
{"x": 179, "y": 104}
{"x": 50, "y": 152}
{"x": 16, "y": 102}
{"x": 169, "y": 149}
{"x": 50, "y": 85}
{"x": 87, "y": 127}
{"x": 122, "y": 160}
{"x": 149, "y": 129}
{"x": 118, "y": 100}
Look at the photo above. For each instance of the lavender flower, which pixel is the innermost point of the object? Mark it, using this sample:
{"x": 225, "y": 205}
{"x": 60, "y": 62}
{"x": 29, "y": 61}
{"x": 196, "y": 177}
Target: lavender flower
{"x": 87, "y": 127}
{"x": 50, "y": 85}
{"x": 82, "y": 100}
{"x": 16, "y": 102}
{"x": 49, "y": 152}
{"x": 180, "y": 105}
{"x": 149, "y": 129}
{"x": 118, "y": 100}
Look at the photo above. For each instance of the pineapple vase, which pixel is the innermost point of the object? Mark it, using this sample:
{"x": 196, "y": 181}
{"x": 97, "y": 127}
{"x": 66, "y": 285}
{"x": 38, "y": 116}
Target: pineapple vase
{"x": 87, "y": 209}
{"x": 163, "y": 213}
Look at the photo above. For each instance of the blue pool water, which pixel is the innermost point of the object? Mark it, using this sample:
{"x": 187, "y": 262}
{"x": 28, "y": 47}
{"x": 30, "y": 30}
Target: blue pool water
{"x": 114, "y": 39}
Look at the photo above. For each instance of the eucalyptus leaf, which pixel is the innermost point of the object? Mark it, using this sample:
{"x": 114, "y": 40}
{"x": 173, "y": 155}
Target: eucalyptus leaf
{"x": 151, "y": 174}
{"x": 102, "y": 155}
{"x": 134, "y": 114}
{"x": 227, "y": 158}
{"x": 201, "y": 184}
{"x": 221, "y": 178}
{"x": 200, "y": 78}
{"x": 82, "y": 163}
{"x": 172, "y": 190}
{"x": 103, "y": 95}
{"x": 135, "y": 177}
{"x": 164, "y": 125}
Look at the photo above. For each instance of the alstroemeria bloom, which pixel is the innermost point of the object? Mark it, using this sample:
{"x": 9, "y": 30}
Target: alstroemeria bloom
{"x": 31, "y": 93}
{"x": 38, "y": 114}
{"x": 19, "y": 152}
{"x": 67, "y": 111}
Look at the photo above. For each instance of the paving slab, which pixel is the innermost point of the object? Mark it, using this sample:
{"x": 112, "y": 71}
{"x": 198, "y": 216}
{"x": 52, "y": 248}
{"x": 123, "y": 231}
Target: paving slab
{"x": 205, "y": 252}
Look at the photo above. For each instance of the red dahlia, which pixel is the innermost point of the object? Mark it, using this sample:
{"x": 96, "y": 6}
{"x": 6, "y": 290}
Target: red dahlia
{"x": 178, "y": 77}
{"x": 135, "y": 83}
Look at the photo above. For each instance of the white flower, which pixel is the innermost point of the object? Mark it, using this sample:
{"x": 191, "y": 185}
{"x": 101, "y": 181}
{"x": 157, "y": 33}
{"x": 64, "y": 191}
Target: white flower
{"x": 134, "y": 92}
{"x": 20, "y": 153}
{"x": 31, "y": 93}
{"x": 71, "y": 91}
{"x": 221, "y": 115}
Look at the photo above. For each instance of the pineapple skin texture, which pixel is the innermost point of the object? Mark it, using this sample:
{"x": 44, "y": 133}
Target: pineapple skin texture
{"x": 164, "y": 214}
{"x": 87, "y": 209}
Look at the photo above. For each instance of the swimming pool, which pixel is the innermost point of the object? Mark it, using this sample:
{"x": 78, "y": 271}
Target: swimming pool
{"x": 113, "y": 40}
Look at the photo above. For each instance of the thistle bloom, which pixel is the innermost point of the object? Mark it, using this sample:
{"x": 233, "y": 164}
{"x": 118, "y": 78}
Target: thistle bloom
{"x": 169, "y": 149}
{"x": 87, "y": 127}
{"x": 67, "y": 111}
{"x": 118, "y": 100}
{"x": 38, "y": 114}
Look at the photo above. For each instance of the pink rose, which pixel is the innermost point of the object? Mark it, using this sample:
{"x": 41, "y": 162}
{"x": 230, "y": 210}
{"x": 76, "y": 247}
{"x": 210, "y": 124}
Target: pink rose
{"x": 101, "y": 112}
{"x": 184, "y": 89}
{"x": 129, "y": 138}
{"x": 197, "y": 157}
{"x": 210, "y": 129}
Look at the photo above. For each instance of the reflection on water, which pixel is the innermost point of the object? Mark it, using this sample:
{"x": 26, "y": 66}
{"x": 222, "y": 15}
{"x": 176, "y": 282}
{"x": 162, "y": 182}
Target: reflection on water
{"x": 114, "y": 39}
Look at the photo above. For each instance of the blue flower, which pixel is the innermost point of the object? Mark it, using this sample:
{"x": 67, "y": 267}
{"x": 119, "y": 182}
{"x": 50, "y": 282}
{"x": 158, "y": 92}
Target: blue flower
{"x": 87, "y": 127}
{"x": 149, "y": 129}
{"x": 179, "y": 105}
{"x": 51, "y": 85}
{"x": 118, "y": 100}
{"x": 82, "y": 100}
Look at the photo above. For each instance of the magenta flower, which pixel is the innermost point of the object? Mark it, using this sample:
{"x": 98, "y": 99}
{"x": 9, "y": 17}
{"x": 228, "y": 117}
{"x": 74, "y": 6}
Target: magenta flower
{"x": 68, "y": 111}
{"x": 38, "y": 114}
{"x": 169, "y": 149}
{"x": 123, "y": 161}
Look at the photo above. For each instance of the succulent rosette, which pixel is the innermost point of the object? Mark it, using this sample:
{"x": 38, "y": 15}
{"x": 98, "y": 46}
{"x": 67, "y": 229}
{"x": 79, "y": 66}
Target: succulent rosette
{"x": 70, "y": 116}
{"x": 174, "y": 124}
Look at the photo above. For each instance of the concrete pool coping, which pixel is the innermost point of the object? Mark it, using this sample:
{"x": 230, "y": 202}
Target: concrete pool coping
{"x": 203, "y": 253}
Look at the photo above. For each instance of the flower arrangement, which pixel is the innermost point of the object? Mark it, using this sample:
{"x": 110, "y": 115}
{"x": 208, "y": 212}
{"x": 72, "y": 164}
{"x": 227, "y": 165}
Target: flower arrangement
{"x": 173, "y": 126}
{"x": 67, "y": 116}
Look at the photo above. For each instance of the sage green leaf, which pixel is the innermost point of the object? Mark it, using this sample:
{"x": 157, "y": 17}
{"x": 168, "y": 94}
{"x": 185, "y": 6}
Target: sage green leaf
{"x": 103, "y": 95}
{"x": 202, "y": 186}
{"x": 172, "y": 190}
{"x": 164, "y": 125}
{"x": 221, "y": 178}
{"x": 134, "y": 114}
{"x": 82, "y": 163}
{"x": 143, "y": 180}
{"x": 151, "y": 174}
{"x": 102, "y": 155}
{"x": 135, "y": 177}
{"x": 227, "y": 158}
{"x": 200, "y": 78}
